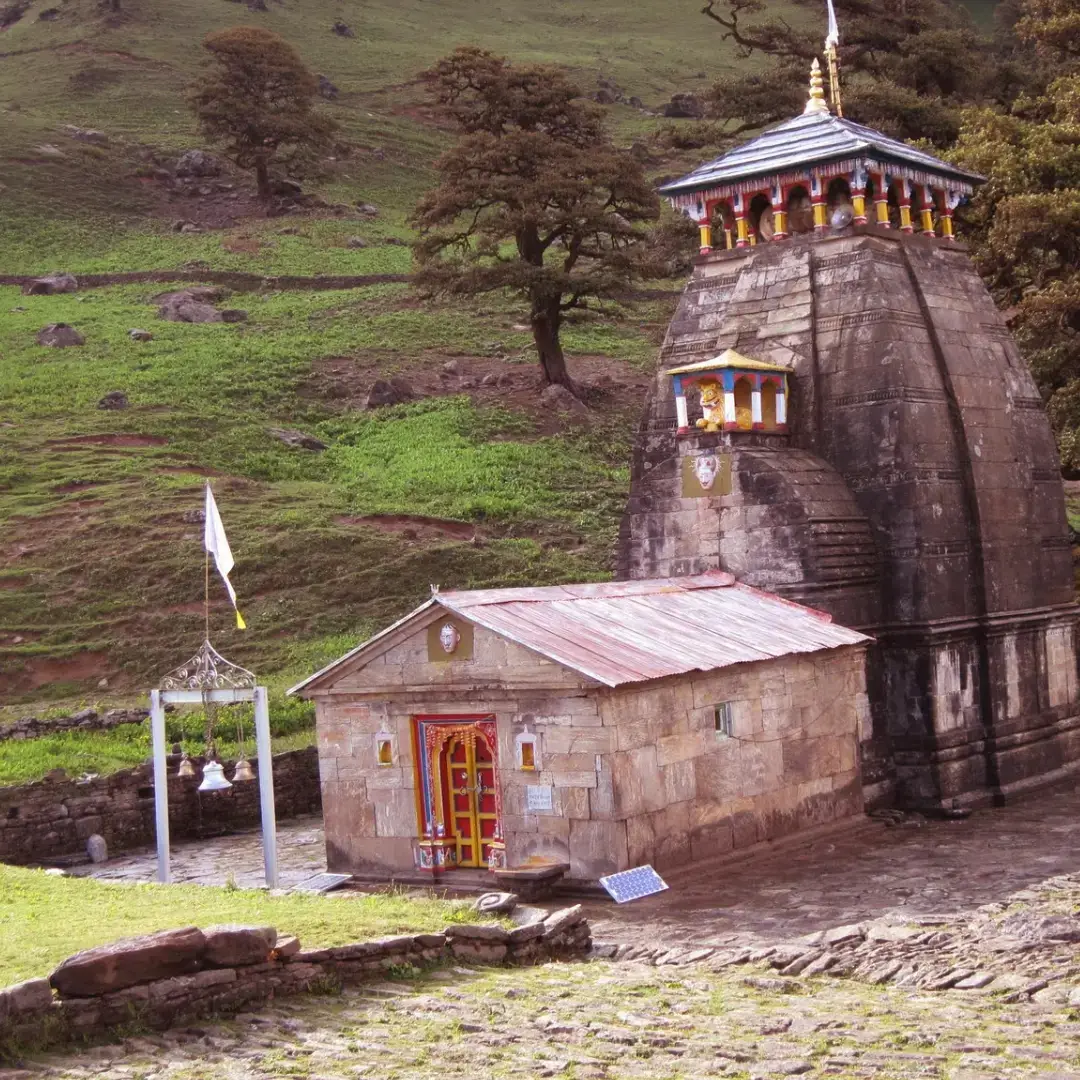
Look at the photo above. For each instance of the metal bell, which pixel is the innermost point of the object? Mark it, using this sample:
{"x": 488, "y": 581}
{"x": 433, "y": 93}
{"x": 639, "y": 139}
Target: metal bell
{"x": 214, "y": 777}
{"x": 185, "y": 769}
{"x": 243, "y": 771}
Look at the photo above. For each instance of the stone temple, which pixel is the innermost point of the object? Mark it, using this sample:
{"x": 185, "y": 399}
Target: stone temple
{"x": 842, "y": 418}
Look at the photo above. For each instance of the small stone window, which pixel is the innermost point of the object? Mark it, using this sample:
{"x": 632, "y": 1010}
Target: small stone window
{"x": 384, "y": 750}
{"x": 723, "y": 720}
{"x": 527, "y": 755}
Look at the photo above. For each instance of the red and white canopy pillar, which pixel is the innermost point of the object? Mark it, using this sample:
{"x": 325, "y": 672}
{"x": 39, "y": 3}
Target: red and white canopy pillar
{"x": 903, "y": 197}
{"x": 881, "y": 200}
{"x": 701, "y": 216}
{"x": 780, "y": 223}
{"x": 742, "y": 226}
{"x": 858, "y": 195}
{"x": 817, "y": 204}
{"x": 948, "y": 201}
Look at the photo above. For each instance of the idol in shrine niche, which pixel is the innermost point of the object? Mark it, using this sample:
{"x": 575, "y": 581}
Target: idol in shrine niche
{"x": 737, "y": 394}
{"x": 712, "y": 405}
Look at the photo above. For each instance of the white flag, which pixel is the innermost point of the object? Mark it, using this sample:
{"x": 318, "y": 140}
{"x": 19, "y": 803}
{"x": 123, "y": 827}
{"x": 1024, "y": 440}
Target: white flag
{"x": 217, "y": 543}
{"x": 834, "y": 29}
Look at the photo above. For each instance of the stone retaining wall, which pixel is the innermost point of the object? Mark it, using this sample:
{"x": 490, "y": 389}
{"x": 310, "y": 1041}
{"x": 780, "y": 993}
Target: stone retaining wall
{"x": 52, "y": 818}
{"x": 219, "y": 981}
{"x": 30, "y": 727}
{"x": 235, "y": 279}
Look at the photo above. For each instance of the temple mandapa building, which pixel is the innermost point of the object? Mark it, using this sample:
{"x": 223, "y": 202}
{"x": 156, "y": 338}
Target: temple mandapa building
{"x": 597, "y": 727}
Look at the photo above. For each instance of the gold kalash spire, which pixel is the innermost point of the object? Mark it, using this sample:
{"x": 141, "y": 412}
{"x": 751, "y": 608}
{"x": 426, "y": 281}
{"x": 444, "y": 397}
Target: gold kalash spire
{"x": 816, "y": 102}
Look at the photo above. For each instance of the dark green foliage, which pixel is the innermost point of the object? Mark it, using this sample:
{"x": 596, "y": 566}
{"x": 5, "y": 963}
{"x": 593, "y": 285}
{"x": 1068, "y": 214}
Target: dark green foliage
{"x": 534, "y": 198}
{"x": 258, "y": 102}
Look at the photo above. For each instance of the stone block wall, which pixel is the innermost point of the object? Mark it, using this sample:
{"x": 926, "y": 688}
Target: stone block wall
{"x": 633, "y": 775}
{"x": 52, "y": 818}
{"x": 221, "y": 981}
{"x": 683, "y": 791}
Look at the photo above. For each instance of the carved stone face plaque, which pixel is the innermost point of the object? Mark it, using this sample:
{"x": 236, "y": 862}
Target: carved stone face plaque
{"x": 449, "y": 638}
{"x": 706, "y": 469}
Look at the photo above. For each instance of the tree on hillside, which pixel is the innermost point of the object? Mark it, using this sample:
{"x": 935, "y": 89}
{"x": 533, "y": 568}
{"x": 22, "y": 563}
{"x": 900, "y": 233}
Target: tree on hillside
{"x": 907, "y": 65}
{"x": 1025, "y": 222}
{"x": 258, "y": 102}
{"x": 534, "y": 198}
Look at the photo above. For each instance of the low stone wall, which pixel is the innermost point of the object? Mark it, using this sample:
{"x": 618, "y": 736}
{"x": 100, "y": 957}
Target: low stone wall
{"x": 52, "y": 818}
{"x": 226, "y": 969}
{"x": 30, "y": 727}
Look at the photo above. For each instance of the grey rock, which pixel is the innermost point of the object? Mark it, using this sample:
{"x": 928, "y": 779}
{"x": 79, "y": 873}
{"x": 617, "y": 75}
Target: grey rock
{"x": 129, "y": 962}
{"x": 357, "y": 243}
{"x": 238, "y": 946}
{"x": 451, "y": 367}
{"x": 59, "y": 336}
{"x": 394, "y": 391}
{"x": 342, "y": 29}
{"x": 557, "y": 398}
{"x": 684, "y": 106}
{"x": 494, "y": 934}
{"x": 563, "y": 919}
{"x": 327, "y": 89}
{"x": 198, "y": 163}
{"x": 490, "y": 380}
{"x": 234, "y": 315}
{"x": 496, "y": 903}
{"x": 114, "y": 399}
{"x": 52, "y": 284}
{"x": 96, "y": 849}
{"x": 140, "y": 335}
{"x": 86, "y": 135}
{"x": 29, "y": 996}
{"x": 297, "y": 438}
{"x": 366, "y": 209}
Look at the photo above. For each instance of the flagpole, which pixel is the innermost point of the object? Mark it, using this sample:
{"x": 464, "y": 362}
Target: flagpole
{"x": 206, "y": 576}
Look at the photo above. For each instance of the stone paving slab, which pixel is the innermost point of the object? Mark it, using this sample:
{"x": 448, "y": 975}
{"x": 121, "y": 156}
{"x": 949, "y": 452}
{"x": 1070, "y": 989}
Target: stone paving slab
{"x": 603, "y": 1021}
{"x": 917, "y": 869}
{"x": 220, "y": 859}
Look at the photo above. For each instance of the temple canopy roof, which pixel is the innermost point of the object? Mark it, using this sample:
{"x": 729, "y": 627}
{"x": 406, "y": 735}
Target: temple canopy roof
{"x": 818, "y": 139}
{"x": 729, "y": 358}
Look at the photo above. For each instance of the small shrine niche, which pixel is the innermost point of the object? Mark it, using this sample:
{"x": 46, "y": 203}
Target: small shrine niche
{"x": 736, "y": 394}
{"x": 528, "y": 753}
{"x": 384, "y": 749}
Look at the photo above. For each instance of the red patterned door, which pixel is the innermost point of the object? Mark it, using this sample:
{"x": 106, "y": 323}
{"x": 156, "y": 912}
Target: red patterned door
{"x": 469, "y": 769}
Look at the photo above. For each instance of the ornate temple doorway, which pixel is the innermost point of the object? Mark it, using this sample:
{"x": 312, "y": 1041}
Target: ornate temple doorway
{"x": 458, "y": 801}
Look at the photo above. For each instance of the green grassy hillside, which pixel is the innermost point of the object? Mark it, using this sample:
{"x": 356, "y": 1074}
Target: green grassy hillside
{"x": 100, "y": 557}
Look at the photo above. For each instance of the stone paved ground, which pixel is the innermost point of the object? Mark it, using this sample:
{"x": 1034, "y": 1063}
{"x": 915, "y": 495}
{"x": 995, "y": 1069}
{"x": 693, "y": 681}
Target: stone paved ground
{"x": 607, "y": 1020}
{"x": 909, "y": 870}
{"x": 949, "y": 951}
{"x": 214, "y": 861}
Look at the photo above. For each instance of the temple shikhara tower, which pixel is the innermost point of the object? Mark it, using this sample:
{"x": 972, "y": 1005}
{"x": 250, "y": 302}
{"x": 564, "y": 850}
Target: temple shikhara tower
{"x": 841, "y": 418}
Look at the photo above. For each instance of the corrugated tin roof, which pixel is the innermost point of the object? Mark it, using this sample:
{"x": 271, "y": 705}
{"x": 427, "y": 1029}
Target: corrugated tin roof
{"x": 812, "y": 139}
{"x": 633, "y": 631}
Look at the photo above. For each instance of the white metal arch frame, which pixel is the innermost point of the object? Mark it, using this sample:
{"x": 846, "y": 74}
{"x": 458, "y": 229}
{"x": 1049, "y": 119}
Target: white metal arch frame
{"x": 209, "y": 678}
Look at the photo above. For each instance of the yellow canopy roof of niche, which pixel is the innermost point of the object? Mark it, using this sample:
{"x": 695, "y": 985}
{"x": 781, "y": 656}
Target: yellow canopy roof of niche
{"x": 727, "y": 359}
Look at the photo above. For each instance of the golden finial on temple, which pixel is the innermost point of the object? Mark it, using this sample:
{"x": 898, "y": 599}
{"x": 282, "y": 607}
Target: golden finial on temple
{"x": 816, "y": 102}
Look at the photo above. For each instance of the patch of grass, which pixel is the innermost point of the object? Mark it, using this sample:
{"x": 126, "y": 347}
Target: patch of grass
{"x": 44, "y": 919}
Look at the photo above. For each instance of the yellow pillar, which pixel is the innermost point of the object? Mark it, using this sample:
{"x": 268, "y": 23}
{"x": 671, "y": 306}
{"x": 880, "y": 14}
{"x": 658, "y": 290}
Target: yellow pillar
{"x": 742, "y": 231}
{"x": 819, "y": 209}
{"x": 881, "y": 207}
{"x": 926, "y": 220}
{"x": 905, "y": 218}
{"x": 729, "y": 241}
{"x": 706, "y": 237}
{"x": 946, "y": 225}
{"x": 780, "y": 220}
{"x": 858, "y": 206}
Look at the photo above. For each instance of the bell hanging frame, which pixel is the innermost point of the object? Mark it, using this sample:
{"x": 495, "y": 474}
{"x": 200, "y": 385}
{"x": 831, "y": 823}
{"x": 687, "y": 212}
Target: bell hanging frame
{"x": 211, "y": 680}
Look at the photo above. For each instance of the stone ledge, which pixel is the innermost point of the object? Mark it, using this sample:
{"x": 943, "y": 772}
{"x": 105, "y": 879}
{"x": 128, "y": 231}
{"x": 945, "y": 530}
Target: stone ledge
{"x": 32, "y": 1018}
